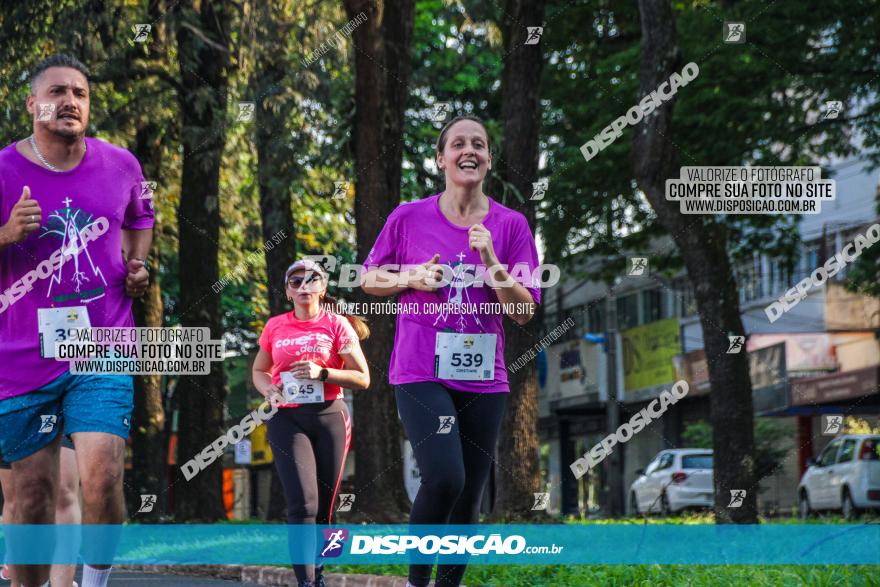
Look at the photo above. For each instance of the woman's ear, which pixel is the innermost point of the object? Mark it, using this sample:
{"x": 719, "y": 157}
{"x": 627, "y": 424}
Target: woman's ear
{"x": 441, "y": 164}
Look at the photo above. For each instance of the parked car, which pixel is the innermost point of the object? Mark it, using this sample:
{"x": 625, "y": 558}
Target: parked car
{"x": 845, "y": 477}
{"x": 676, "y": 479}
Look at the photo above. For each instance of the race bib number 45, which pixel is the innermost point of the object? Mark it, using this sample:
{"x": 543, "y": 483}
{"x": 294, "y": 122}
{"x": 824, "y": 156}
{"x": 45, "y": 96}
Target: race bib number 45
{"x": 59, "y": 325}
{"x": 466, "y": 357}
{"x": 301, "y": 391}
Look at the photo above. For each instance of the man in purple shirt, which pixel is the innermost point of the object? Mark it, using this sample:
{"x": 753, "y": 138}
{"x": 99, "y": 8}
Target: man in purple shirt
{"x": 76, "y": 221}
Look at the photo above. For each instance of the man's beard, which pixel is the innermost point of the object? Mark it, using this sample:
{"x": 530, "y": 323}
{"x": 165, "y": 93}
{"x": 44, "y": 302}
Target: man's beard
{"x": 69, "y": 135}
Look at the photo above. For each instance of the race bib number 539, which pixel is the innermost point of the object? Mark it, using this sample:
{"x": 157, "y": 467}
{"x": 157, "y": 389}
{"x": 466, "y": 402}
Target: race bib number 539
{"x": 466, "y": 357}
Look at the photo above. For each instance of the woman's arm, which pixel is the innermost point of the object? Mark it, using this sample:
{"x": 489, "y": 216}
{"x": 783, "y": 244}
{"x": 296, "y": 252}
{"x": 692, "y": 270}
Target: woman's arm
{"x": 515, "y": 298}
{"x": 261, "y": 375}
{"x": 426, "y": 276}
{"x": 354, "y": 375}
{"x": 382, "y": 283}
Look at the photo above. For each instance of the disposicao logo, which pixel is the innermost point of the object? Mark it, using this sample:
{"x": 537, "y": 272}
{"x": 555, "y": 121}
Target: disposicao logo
{"x": 334, "y": 541}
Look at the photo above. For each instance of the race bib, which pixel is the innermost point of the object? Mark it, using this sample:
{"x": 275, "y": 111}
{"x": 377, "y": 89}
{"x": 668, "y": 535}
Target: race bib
{"x": 301, "y": 391}
{"x": 467, "y": 357}
{"x": 59, "y": 325}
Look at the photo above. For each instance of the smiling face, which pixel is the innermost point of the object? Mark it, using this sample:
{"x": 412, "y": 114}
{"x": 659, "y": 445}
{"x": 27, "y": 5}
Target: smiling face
{"x": 465, "y": 157}
{"x": 305, "y": 291}
{"x": 61, "y": 96}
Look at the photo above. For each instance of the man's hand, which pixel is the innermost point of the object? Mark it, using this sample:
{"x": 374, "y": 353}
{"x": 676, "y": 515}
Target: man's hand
{"x": 427, "y": 276}
{"x": 24, "y": 218}
{"x": 137, "y": 280}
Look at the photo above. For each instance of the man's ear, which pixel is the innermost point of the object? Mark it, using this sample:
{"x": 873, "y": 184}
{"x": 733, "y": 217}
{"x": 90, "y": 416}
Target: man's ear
{"x": 29, "y": 104}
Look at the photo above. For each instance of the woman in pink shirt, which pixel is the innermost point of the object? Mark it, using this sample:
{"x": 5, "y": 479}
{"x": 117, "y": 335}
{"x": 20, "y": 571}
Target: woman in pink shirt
{"x": 306, "y": 357}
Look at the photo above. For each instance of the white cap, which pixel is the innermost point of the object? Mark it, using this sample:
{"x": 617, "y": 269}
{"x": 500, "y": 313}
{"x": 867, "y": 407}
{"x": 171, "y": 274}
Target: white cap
{"x": 305, "y": 265}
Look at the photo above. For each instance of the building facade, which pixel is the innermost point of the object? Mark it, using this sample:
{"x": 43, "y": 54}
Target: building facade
{"x": 820, "y": 357}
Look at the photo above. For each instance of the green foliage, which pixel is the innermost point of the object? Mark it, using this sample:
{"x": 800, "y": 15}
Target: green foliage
{"x": 772, "y": 442}
{"x": 758, "y": 103}
{"x": 697, "y": 435}
{"x": 455, "y": 59}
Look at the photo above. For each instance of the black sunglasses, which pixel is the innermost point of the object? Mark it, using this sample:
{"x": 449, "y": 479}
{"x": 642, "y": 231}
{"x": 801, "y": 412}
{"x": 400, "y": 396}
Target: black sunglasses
{"x": 297, "y": 281}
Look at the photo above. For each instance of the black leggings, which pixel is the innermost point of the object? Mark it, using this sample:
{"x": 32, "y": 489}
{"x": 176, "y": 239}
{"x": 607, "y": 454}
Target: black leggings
{"x": 454, "y": 466}
{"x": 309, "y": 444}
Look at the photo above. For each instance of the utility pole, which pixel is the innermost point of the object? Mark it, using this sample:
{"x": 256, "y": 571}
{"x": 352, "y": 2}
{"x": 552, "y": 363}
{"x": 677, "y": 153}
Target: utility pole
{"x": 612, "y": 411}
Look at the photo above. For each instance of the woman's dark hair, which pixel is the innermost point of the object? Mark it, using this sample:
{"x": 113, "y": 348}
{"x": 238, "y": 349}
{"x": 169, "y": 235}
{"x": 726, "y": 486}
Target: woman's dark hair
{"x": 57, "y": 60}
{"x": 441, "y": 140}
{"x": 359, "y": 324}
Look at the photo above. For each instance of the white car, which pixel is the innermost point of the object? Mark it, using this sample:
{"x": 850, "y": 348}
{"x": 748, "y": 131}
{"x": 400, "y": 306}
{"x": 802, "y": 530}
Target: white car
{"x": 676, "y": 479}
{"x": 845, "y": 477}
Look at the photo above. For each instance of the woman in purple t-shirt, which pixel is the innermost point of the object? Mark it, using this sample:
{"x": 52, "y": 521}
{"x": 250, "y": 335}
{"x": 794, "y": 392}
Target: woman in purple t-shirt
{"x": 460, "y": 261}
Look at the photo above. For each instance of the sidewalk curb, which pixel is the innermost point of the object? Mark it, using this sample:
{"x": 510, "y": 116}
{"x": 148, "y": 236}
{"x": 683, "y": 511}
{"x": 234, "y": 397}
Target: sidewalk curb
{"x": 262, "y": 575}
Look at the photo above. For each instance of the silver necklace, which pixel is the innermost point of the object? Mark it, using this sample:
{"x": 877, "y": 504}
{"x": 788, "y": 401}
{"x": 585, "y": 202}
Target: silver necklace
{"x": 43, "y": 159}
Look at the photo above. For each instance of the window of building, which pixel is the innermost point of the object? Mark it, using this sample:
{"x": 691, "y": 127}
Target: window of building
{"x": 596, "y": 316}
{"x": 780, "y": 278}
{"x": 581, "y": 321}
{"x": 652, "y": 305}
{"x": 570, "y": 333}
{"x": 627, "y": 311}
{"x": 811, "y": 260}
{"x": 748, "y": 278}
{"x": 684, "y": 302}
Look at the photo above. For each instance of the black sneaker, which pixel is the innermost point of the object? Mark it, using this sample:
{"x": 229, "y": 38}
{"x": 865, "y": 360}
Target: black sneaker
{"x": 319, "y": 576}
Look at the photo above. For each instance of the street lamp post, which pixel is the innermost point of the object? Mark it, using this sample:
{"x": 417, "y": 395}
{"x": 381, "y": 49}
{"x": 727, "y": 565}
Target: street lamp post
{"x": 608, "y": 340}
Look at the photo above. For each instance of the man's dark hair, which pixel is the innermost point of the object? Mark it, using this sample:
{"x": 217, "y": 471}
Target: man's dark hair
{"x": 57, "y": 60}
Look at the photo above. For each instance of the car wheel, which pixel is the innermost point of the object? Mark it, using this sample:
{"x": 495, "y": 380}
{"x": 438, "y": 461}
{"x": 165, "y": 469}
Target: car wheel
{"x": 633, "y": 504}
{"x": 850, "y": 512}
{"x": 664, "y": 505}
{"x": 804, "y": 510}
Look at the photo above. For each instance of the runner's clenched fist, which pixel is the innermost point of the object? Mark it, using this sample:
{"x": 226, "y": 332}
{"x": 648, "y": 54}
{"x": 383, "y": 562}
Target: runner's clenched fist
{"x": 480, "y": 240}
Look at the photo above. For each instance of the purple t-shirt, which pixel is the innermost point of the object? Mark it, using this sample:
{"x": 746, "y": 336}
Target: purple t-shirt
{"x": 413, "y": 233}
{"x": 73, "y": 259}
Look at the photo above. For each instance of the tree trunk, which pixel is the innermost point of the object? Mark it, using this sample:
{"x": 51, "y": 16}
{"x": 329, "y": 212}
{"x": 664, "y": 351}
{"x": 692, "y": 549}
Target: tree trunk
{"x": 703, "y": 247}
{"x": 272, "y": 153}
{"x": 517, "y": 472}
{"x": 203, "y": 57}
{"x": 381, "y": 73}
{"x": 273, "y": 179}
{"x": 149, "y": 445}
